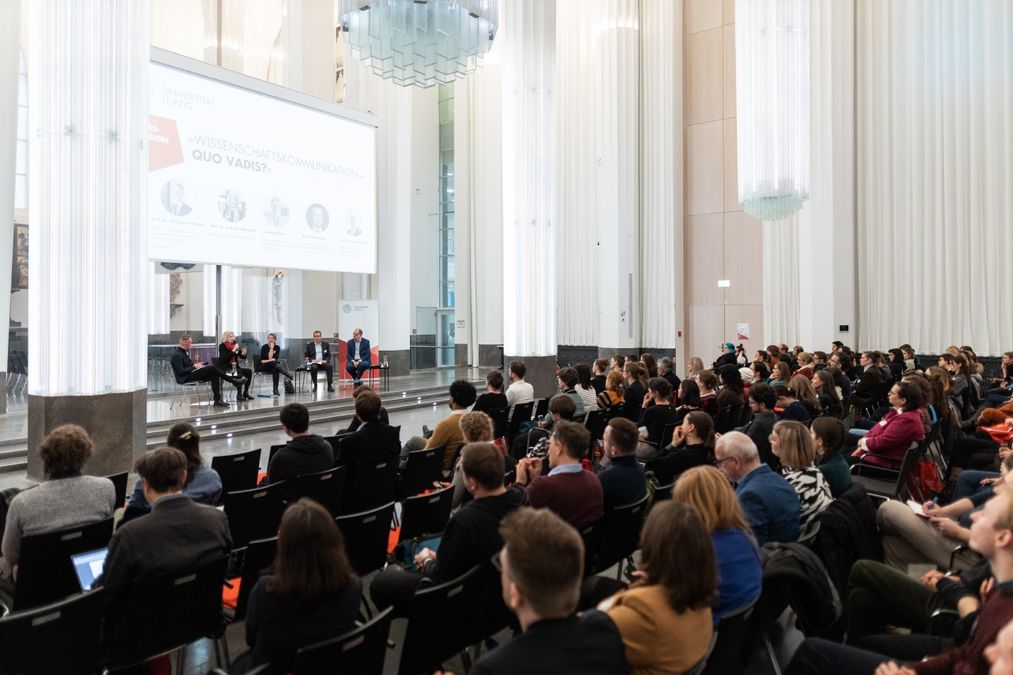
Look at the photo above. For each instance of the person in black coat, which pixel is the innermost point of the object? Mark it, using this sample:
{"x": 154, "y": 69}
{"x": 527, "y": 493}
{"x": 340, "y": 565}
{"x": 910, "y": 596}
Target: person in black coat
{"x": 318, "y": 357}
{"x": 598, "y": 373}
{"x": 493, "y": 398}
{"x": 186, "y": 370}
{"x": 230, "y": 353}
{"x": 762, "y": 401}
{"x": 372, "y": 441}
{"x": 633, "y": 399}
{"x": 727, "y": 356}
{"x": 269, "y": 362}
{"x": 304, "y": 453}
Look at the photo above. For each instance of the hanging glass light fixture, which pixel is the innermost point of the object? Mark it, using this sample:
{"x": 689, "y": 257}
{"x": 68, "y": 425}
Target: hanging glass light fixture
{"x": 420, "y": 42}
{"x": 772, "y": 105}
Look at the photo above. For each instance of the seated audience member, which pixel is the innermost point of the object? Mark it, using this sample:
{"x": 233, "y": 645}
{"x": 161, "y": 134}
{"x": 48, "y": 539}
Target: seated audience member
{"x": 803, "y": 390}
{"x": 688, "y": 399}
{"x": 762, "y": 401}
{"x": 310, "y": 594}
{"x": 666, "y": 369}
{"x": 177, "y": 535}
{"x": 655, "y": 416}
{"x": 519, "y": 391}
{"x": 203, "y": 484}
{"x": 732, "y": 393}
{"x": 568, "y": 490}
{"x": 694, "y": 367}
{"x": 708, "y": 383}
{"x": 972, "y": 482}
{"x": 584, "y": 388}
{"x": 769, "y": 502}
{"x": 827, "y": 394}
{"x": 636, "y": 389}
{"x": 304, "y": 453}
{"x": 372, "y": 441}
{"x": 871, "y": 385}
{"x": 598, "y": 375}
{"x": 664, "y": 617}
{"x": 820, "y": 360}
{"x": 622, "y": 481}
{"x": 793, "y": 445}
{"x": 476, "y": 427}
{"x": 566, "y": 380}
{"x": 65, "y": 499}
{"x": 740, "y": 574}
{"x": 780, "y": 374}
{"x": 561, "y": 407}
{"x": 470, "y": 537}
{"x": 355, "y": 422}
{"x": 727, "y": 356}
{"x": 614, "y": 394}
{"x": 447, "y": 433}
{"x": 761, "y": 372}
{"x": 806, "y": 367}
{"x": 789, "y": 407}
{"x": 828, "y": 439}
{"x": 493, "y": 398}
{"x": 541, "y": 569}
{"x": 992, "y": 537}
{"x": 692, "y": 445}
{"x": 888, "y": 441}
{"x": 1000, "y": 653}
{"x": 650, "y": 364}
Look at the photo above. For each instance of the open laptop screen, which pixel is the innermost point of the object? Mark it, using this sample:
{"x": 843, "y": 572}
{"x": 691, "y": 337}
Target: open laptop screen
{"x": 88, "y": 566}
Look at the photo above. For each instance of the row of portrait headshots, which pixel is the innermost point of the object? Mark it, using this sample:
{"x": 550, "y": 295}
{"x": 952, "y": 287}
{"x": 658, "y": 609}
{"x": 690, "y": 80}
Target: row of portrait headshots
{"x": 232, "y": 207}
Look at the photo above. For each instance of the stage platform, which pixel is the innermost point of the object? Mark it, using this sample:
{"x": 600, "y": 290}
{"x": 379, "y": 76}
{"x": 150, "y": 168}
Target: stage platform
{"x": 411, "y": 401}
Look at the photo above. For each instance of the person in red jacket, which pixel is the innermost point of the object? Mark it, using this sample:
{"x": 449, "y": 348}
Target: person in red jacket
{"x": 886, "y": 443}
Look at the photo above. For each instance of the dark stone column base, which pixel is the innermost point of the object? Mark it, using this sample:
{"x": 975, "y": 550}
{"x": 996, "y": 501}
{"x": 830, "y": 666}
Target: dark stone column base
{"x": 461, "y": 355}
{"x": 117, "y": 424}
{"x": 541, "y": 373}
{"x": 490, "y": 355}
{"x": 400, "y": 361}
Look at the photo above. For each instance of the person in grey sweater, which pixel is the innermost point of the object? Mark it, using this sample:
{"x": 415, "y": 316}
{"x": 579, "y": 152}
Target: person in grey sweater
{"x": 67, "y": 498}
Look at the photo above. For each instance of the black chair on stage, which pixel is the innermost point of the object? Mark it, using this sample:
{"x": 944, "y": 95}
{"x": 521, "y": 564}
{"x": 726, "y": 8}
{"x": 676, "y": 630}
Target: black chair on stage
{"x": 239, "y": 471}
{"x": 327, "y": 488}
{"x": 360, "y": 650}
{"x": 63, "y": 637}
{"x": 423, "y": 468}
{"x": 254, "y": 514}
{"x": 522, "y": 413}
{"x": 257, "y": 557}
{"x": 366, "y": 535}
{"x": 620, "y": 535}
{"x": 426, "y": 515}
{"x": 161, "y": 614}
{"x": 370, "y": 484}
{"x": 120, "y": 486}
{"x": 45, "y": 572}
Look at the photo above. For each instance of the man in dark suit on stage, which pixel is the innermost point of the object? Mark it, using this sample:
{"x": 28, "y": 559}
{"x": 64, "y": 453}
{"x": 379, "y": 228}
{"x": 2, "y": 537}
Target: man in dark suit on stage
{"x": 186, "y": 370}
{"x": 373, "y": 441}
{"x": 358, "y": 356}
{"x": 318, "y": 357}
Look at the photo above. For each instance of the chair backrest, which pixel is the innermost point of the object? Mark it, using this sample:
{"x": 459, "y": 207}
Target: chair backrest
{"x": 500, "y": 419}
{"x": 369, "y": 484}
{"x": 443, "y": 620}
{"x": 162, "y": 613}
{"x": 423, "y": 467}
{"x": 272, "y": 452}
{"x": 361, "y": 650}
{"x": 522, "y": 413}
{"x": 120, "y": 486}
{"x": 426, "y": 514}
{"x": 541, "y": 407}
{"x": 257, "y": 557}
{"x": 327, "y": 488}
{"x": 45, "y": 572}
{"x": 254, "y": 514}
{"x": 730, "y": 651}
{"x": 366, "y": 535}
{"x": 620, "y": 533}
{"x": 596, "y": 421}
{"x": 666, "y": 435}
{"x": 239, "y": 471}
{"x": 63, "y": 637}
{"x": 335, "y": 441}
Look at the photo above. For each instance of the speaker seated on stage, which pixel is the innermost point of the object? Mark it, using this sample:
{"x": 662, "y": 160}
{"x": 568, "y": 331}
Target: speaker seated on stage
{"x": 358, "y": 356}
{"x": 270, "y": 363}
{"x": 318, "y": 357}
{"x": 185, "y": 370}
{"x": 373, "y": 441}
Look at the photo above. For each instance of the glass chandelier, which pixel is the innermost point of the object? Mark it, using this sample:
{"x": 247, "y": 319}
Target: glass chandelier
{"x": 772, "y": 105}
{"x": 420, "y": 42}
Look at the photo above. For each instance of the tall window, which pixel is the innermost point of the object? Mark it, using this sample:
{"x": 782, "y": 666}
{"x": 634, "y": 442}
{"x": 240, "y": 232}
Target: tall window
{"x": 446, "y": 96}
{"x": 21, "y": 153}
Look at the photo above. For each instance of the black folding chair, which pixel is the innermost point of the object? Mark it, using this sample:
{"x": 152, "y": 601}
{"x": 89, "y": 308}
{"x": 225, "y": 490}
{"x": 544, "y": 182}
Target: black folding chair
{"x": 369, "y": 484}
{"x": 257, "y": 557}
{"x": 161, "y": 614}
{"x": 272, "y": 452}
{"x": 239, "y": 471}
{"x": 366, "y": 535}
{"x": 500, "y": 419}
{"x": 422, "y": 469}
{"x": 45, "y": 572}
{"x": 327, "y": 488}
{"x": 120, "y": 486}
{"x": 541, "y": 408}
{"x": 62, "y": 637}
{"x": 620, "y": 535}
{"x": 360, "y": 650}
{"x": 426, "y": 514}
{"x": 254, "y": 514}
{"x": 731, "y": 650}
{"x": 521, "y": 414}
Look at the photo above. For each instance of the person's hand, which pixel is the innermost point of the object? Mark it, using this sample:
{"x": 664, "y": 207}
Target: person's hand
{"x": 521, "y": 471}
{"x": 678, "y": 436}
{"x": 891, "y": 668}
{"x": 424, "y": 556}
{"x": 541, "y": 424}
{"x": 949, "y": 528}
{"x": 987, "y": 586}
{"x": 441, "y": 484}
{"x": 863, "y": 443}
{"x": 199, "y": 365}
{"x": 988, "y": 481}
{"x": 1004, "y": 452}
{"x": 929, "y": 507}
{"x": 931, "y": 578}
{"x": 535, "y": 466}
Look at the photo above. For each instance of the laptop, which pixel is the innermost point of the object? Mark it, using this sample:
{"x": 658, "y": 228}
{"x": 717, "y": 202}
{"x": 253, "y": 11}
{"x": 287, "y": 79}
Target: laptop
{"x": 88, "y": 566}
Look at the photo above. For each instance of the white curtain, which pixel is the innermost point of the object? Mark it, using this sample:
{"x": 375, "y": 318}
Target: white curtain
{"x": 935, "y": 166}
{"x": 158, "y": 301}
{"x": 780, "y": 281}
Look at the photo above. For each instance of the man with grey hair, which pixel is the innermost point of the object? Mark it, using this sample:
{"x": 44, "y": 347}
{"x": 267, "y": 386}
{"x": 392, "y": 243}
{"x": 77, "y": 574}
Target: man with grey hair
{"x": 770, "y": 503}
{"x": 666, "y": 369}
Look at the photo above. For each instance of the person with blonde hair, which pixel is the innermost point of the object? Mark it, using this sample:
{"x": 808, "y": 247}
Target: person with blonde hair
{"x": 736, "y": 554}
{"x": 793, "y": 444}
{"x": 694, "y": 367}
{"x": 229, "y": 355}
{"x": 614, "y": 393}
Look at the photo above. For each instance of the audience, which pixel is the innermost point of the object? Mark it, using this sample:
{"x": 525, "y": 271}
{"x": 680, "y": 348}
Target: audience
{"x": 447, "y": 433}
{"x": 622, "y": 481}
{"x": 519, "y": 391}
{"x": 373, "y": 440}
{"x": 574, "y": 494}
{"x": 613, "y": 394}
{"x": 203, "y": 484}
{"x": 561, "y": 407}
{"x": 664, "y": 617}
{"x": 541, "y": 568}
{"x": 598, "y": 370}
{"x": 828, "y": 439}
{"x": 311, "y": 593}
{"x": 827, "y": 393}
{"x": 355, "y": 422}
{"x": 65, "y": 499}
{"x": 694, "y": 367}
{"x": 769, "y": 502}
{"x": 737, "y": 556}
{"x": 727, "y": 356}
{"x": 688, "y": 398}
{"x": 566, "y": 380}
{"x": 304, "y": 453}
{"x": 635, "y": 391}
{"x": 708, "y": 382}
{"x": 792, "y": 443}
{"x": 888, "y": 441}
{"x": 587, "y": 393}
{"x": 655, "y": 416}
{"x": 762, "y": 401}
{"x": 692, "y": 445}
{"x": 493, "y": 398}
{"x": 666, "y": 369}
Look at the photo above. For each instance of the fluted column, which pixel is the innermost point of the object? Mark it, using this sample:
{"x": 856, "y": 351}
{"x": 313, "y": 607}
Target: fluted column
{"x": 88, "y": 103}
{"x": 10, "y": 42}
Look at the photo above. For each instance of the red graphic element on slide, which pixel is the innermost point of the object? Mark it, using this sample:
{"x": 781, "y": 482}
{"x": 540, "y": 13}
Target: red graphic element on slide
{"x": 164, "y": 148}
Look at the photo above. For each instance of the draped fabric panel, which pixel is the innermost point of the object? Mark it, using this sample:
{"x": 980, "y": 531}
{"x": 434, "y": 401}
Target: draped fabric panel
{"x": 661, "y": 177}
{"x": 781, "y": 282}
{"x": 934, "y": 170}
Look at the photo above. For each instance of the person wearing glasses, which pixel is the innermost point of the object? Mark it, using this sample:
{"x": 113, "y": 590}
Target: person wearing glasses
{"x": 769, "y": 501}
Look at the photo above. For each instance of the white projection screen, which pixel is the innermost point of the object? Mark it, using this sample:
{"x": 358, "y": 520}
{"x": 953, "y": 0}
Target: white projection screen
{"x": 246, "y": 173}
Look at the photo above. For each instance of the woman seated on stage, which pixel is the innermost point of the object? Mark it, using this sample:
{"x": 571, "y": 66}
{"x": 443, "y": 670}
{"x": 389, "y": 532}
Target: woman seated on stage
{"x": 310, "y": 594}
{"x": 229, "y": 354}
{"x": 269, "y": 362}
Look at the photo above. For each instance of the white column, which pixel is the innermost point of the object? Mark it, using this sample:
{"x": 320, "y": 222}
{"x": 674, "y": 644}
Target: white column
{"x": 10, "y": 42}
{"x": 529, "y": 303}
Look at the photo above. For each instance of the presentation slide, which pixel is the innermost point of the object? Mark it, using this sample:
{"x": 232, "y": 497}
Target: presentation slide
{"x": 237, "y": 177}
